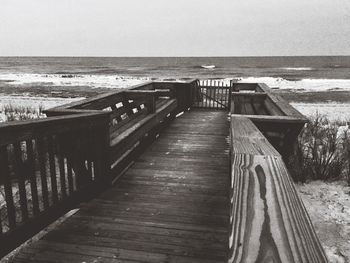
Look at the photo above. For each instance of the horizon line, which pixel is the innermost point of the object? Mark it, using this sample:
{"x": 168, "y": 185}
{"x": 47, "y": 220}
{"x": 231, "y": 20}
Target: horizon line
{"x": 249, "y": 56}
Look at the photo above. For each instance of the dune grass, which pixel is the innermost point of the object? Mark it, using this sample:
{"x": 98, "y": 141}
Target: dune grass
{"x": 12, "y": 112}
{"x": 322, "y": 151}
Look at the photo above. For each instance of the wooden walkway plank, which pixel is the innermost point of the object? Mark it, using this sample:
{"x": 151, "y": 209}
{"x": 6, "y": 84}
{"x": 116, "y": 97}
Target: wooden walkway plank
{"x": 172, "y": 205}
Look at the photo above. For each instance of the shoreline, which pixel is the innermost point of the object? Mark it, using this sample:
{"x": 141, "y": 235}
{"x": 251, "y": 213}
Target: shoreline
{"x": 307, "y": 102}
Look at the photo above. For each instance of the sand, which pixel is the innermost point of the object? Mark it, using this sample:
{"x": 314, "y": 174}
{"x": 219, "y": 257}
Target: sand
{"x": 333, "y": 111}
{"x": 328, "y": 205}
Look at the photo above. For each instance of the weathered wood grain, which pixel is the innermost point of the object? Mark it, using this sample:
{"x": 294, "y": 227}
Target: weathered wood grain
{"x": 268, "y": 221}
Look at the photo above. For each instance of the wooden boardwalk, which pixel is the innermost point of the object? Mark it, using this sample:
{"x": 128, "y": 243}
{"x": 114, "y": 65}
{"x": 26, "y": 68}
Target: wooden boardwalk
{"x": 170, "y": 206}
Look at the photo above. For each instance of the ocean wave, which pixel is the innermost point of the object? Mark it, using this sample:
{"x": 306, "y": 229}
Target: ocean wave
{"x": 305, "y": 84}
{"x": 298, "y": 68}
{"x": 122, "y": 81}
{"x": 93, "y": 81}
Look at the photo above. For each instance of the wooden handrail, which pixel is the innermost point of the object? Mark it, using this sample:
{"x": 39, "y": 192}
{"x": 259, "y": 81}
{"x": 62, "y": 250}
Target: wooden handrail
{"x": 175, "y": 88}
{"x": 68, "y": 155}
{"x": 21, "y": 130}
{"x": 268, "y": 221}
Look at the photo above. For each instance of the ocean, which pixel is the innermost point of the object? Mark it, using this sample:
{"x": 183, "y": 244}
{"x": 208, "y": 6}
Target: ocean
{"x": 25, "y": 80}
{"x": 183, "y": 67}
{"x": 114, "y": 71}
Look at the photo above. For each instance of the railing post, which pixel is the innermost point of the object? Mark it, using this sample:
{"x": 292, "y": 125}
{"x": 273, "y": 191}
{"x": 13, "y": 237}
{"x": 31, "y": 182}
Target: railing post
{"x": 103, "y": 151}
{"x": 229, "y": 96}
{"x": 237, "y": 105}
{"x": 151, "y": 103}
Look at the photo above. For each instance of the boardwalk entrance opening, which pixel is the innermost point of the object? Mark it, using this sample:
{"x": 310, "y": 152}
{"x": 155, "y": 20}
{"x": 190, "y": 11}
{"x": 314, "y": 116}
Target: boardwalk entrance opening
{"x": 212, "y": 94}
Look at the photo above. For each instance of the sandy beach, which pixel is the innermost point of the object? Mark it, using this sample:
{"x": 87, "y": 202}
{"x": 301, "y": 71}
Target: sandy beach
{"x": 329, "y": 97}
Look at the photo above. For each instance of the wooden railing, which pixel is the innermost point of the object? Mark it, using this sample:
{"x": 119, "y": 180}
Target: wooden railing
{"x": 276, "y": 119}
{"x": 47, "y": 166}
{"x": 268, "y": 221}
{"x": 135, "y": 115}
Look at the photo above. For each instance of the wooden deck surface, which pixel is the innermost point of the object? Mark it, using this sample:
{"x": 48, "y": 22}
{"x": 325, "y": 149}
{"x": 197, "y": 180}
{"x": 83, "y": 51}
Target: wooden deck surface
{"x": 170, "y": 206}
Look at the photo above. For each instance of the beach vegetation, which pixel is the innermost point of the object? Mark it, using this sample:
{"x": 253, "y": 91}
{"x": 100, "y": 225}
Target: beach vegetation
{"x": 322, "y": 151}
{"x": 11, "y": 112}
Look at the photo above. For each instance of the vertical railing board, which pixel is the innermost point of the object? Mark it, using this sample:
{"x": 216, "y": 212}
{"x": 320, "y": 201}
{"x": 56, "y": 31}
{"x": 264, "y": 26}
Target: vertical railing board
{"x": 61, "y": 164}
{"x": 32, "y": 177}
{"x": 52, "y": 164}
{"x": 43, "y": 172}
{"x": 19, "y": 172}
{"x": 11, "y": 211}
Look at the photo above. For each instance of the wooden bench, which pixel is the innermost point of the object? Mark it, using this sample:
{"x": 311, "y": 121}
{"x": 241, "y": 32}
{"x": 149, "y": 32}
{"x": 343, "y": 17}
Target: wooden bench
{"x": 125, "y": 137}
{"x": 133, "y": 113}
{"x": 268, "y": 221}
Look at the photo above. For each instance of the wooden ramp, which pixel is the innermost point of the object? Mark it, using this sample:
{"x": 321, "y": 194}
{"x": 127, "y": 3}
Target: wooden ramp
{"x": 170, "y": 206}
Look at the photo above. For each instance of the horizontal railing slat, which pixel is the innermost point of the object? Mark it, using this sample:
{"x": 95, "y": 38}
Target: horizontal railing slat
{"x": 20, "y": 130}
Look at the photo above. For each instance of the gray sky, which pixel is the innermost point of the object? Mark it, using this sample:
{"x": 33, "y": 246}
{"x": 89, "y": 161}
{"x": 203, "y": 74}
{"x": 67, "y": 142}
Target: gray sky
{"x": 174, "y": 28}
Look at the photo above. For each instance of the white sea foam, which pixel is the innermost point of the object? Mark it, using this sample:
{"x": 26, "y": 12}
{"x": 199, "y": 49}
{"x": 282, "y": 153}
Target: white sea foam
{"x": 299, "y": 68}
{"x": 119, "y": 81}
{"x": 303, "y": 84}
{"x": 93, "y": 81}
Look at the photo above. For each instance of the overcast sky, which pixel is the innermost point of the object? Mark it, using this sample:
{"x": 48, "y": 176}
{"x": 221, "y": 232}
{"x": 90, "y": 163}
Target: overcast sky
{"x": 174, "y": 28}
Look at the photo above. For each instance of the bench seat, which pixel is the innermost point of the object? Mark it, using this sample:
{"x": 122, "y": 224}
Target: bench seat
{"x": 128, "y": 135}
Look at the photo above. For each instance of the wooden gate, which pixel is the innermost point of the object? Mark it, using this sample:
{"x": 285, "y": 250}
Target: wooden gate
{"x": 212, "y": 94}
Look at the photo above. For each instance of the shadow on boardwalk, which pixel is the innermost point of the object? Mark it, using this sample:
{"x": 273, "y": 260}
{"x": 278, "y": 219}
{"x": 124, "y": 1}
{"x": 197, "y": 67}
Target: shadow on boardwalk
{"x": 170, "y": 206}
